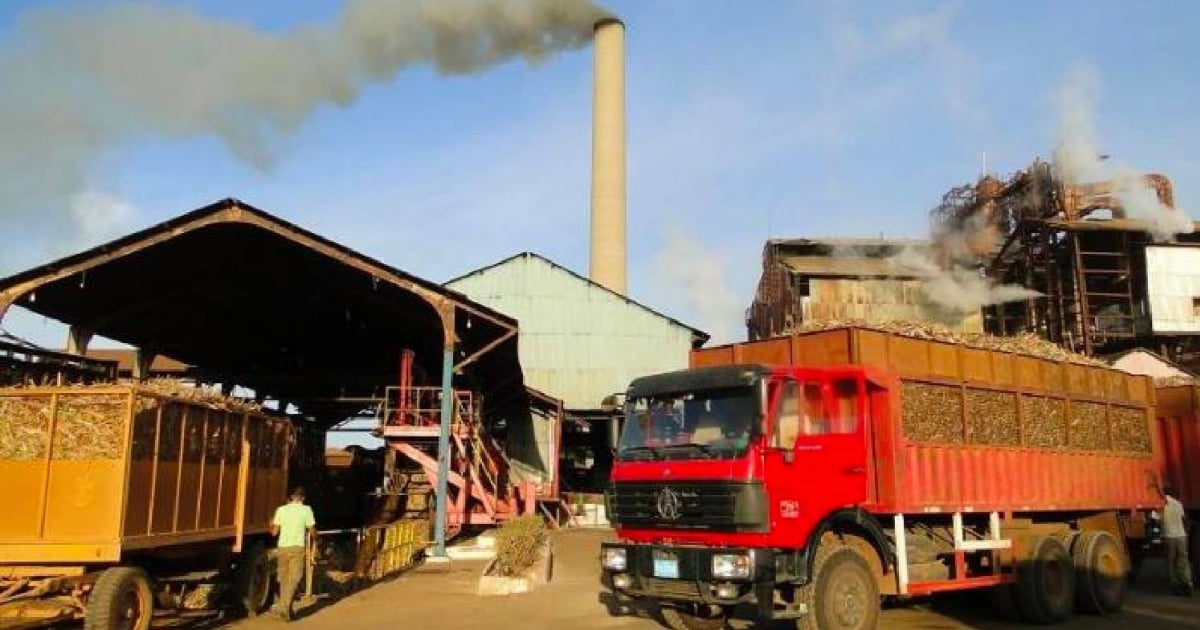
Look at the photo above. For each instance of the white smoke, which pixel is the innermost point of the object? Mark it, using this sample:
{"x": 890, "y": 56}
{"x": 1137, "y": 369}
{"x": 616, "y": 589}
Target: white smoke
{"x": 693, "y": 274}
{"x": 1078, "y": 160}
{"x": 99, "y": 216}
{"x": 956, "y": 284}
{"x": 78, "y": 83}
{"x": 947, "y": 272}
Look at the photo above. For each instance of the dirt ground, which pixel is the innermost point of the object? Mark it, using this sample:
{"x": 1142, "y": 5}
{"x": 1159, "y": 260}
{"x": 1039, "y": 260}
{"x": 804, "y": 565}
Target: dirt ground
{"x": 442, "y": 596}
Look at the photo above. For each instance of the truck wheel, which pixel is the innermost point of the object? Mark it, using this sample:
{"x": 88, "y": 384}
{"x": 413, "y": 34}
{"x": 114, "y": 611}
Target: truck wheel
{"x": 120, "y": 600}
{"x": 694, "y": 617}
{"x": 254, "y": 573}
{"x": 1099, "y": 573}
{"x": 1045, "y": 587}
{"x": 843, "y": 594}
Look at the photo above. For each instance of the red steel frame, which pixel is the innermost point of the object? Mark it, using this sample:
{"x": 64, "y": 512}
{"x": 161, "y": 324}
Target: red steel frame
{"x": 480, "y": 493}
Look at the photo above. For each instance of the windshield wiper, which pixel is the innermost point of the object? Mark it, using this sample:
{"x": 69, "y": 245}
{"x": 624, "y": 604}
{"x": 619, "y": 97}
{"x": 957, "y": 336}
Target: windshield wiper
{"x": 707, "y": 450}
{"x": 654, "y": 454}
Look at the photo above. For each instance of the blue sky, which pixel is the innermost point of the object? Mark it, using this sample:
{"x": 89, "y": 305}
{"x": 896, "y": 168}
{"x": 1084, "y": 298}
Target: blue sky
{"x": 746, "y": 120}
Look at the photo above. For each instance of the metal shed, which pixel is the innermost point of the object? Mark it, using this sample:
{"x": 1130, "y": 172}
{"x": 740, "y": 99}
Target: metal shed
{"x": 579, "y": 341}
{"x": 252, "y": 300}
{"x": 582, "y": 343}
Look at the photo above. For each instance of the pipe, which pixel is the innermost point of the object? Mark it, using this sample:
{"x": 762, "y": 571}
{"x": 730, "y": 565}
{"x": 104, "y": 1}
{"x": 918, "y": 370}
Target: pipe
{"x": 607, "y": 264}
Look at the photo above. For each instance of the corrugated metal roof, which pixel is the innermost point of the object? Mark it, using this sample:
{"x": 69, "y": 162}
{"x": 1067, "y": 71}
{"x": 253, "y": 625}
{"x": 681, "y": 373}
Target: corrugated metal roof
{"x": 1106, "y": 225}
{"x": 578, "y": 341}
{"x": 848, "y": 242}
{"x": 700, "y": 335}
{"x": 845, "y": 266}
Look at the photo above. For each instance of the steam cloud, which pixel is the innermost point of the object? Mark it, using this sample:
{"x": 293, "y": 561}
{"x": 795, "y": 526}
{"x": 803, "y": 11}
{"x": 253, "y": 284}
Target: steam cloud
{"x": 693, "y": 274}
{"x": 78, "y": 83}
{"x": 1077, "y": 160}
{"x": 947, "y": 274}
{"x": 959, "y": 286}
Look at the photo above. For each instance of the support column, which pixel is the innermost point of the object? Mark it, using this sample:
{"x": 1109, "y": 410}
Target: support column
{"x": 142, "y": 360}
{"x": 78, "y": 340}
{"x": 447, "y": 418}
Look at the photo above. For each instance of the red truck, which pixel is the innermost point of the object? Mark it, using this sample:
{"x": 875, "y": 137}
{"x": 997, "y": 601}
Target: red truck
{"x": 1178, "y": 452}
{"x": 808, "y": 476}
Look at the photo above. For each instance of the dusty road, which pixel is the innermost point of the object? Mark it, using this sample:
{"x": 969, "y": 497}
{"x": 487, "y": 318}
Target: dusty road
{"x": 436, "y": 597}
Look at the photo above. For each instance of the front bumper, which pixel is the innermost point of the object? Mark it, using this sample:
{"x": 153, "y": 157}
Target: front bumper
{"x": 694, "y": 582}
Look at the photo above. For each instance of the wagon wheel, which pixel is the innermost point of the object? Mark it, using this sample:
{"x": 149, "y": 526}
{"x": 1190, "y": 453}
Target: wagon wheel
{"x": 120, "y": 600}
{"x": 253, "y": 580}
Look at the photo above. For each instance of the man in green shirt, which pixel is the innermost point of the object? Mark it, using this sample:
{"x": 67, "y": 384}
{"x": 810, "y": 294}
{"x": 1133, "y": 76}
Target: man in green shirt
{"x": 292, "y": 524}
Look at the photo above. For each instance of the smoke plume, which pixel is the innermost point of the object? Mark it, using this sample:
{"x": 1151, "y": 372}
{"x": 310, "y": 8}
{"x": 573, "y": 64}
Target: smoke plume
{"x": 1078, "y": 160}
{"x": 956, "y": 284}
{"x": 945, "y": 271}
{"x": 80, "y": 82}
{"x": 693, "y": 274}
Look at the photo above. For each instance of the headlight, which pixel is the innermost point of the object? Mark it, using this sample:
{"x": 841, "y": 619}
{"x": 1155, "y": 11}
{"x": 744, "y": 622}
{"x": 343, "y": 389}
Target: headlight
{"x": 614, "y": 559}
{"x": 732, "y": 565}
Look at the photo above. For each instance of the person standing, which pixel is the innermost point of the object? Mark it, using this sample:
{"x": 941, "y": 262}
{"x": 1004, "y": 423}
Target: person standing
{"x": 1175, "y": 539}
{"x": 292, "y": 525}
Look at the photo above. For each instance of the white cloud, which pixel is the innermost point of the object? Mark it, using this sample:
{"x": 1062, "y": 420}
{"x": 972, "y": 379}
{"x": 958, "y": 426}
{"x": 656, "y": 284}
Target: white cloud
{"x": 866, "y": 61}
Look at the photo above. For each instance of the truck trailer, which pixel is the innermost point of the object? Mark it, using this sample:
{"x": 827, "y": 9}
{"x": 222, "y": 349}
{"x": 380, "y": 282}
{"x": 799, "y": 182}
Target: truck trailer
{"x": 119, "y": 500}
{"x": 1178, "y": 452}
{"x": 808, "y": 477}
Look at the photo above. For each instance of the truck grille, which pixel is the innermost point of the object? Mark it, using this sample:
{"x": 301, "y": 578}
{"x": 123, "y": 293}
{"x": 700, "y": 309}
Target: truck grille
{"x": 679, "y": 589}
{"x": 720, "y": 506}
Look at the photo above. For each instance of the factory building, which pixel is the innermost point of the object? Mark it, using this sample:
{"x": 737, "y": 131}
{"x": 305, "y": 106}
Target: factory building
{"x": 581, "y": 343}
{"x": 1105, "y": 278}
{"x": 869, "y": 280}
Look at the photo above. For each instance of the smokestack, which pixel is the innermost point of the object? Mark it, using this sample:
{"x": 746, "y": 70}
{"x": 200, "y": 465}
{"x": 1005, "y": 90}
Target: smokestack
{"x": 608, "y": 157}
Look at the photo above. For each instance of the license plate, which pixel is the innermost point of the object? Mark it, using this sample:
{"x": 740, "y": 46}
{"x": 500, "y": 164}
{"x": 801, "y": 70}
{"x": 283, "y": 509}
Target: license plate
{"x": 666, "y": 566}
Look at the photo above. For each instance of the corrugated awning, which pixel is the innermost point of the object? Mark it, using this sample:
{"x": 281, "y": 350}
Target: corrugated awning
{"x": 250, "y": 299}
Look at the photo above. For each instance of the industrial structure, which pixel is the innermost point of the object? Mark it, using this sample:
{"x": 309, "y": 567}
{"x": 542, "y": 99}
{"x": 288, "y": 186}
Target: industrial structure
{"x": 866, "y": 280}
{"x": 581, "y": 343}
{"x": 608, "y": 236}
{"x": 253, "y": 301}
{"x": 1106, "y": 280}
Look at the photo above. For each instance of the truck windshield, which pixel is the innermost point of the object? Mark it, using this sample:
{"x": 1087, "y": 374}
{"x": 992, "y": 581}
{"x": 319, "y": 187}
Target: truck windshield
{"x": 714, "y": 424}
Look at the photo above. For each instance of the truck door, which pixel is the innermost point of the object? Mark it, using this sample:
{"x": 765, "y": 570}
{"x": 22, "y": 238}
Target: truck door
{"x": 818, "y": 463}
{"x": 831, "y": 444}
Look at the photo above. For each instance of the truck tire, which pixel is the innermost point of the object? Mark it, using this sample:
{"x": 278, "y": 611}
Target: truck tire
{"x": 253, "y": 579}
{"x": 120, "y": 600}
{"x": 1045, "y": 589}
{"x": 694, "y": 617}
{"x": 843, "y": 594}
{"x": 1100, "y": 570}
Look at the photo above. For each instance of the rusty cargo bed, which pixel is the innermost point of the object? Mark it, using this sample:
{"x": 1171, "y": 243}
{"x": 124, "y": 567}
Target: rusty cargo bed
{"x": 978, "y": 430}
{"x": 95, "y": 473}
{"x": 1179, "y": 440}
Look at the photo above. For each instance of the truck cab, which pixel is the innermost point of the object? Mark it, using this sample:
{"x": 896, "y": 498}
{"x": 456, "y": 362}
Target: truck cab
{"x": 725, "y": 476}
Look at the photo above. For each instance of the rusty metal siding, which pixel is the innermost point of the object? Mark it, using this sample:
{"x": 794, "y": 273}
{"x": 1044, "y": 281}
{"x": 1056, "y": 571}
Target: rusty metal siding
{"x": 578, "y": 341}
{"x": 1173, "y": 288}
{"x": 879, "y": 301}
